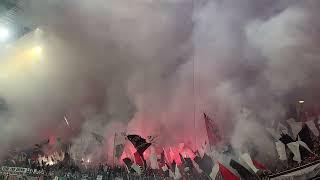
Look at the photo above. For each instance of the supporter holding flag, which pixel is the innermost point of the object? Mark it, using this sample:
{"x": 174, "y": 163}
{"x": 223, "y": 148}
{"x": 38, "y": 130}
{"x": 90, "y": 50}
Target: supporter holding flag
{"x": 139, "y": 143}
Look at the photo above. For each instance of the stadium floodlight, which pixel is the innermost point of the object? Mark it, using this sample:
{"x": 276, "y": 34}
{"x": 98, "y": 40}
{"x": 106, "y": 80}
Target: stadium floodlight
{"x": 37, "y": 50}
{"x": 4, "y": 34}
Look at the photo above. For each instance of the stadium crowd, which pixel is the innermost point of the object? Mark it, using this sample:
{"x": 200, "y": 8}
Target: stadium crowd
{"x": 296, "y": 143}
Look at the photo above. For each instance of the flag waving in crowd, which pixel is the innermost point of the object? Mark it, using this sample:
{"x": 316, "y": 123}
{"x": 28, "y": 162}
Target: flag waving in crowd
{"x": 139, "y": 143}
{"x": 99, "y": 138}
{"x": 119, "y": 143}
{"x": 219, "y": 161}
{"x": 213, "y": 133}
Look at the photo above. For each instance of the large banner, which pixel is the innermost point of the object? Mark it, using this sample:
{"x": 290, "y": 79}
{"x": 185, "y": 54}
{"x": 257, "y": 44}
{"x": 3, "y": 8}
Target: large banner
{"x": 20, "y": 171}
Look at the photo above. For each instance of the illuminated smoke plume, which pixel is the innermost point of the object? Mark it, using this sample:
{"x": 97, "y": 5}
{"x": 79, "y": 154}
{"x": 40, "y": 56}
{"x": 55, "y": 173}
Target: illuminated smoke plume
{"x": 149, "y": 66}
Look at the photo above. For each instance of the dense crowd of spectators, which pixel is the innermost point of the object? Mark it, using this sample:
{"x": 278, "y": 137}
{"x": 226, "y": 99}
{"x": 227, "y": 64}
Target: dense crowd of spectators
{"x": 71, "y": 170}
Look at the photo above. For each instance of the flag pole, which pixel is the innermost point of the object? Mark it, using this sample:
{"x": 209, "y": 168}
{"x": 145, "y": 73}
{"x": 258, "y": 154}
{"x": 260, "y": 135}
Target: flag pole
{"x": 194, "y": 94}
{"x": 114, "y": 142}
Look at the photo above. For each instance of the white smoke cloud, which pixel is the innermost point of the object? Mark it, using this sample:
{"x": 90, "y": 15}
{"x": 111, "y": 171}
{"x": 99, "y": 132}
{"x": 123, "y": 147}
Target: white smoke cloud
{"x": 151, "y": 67}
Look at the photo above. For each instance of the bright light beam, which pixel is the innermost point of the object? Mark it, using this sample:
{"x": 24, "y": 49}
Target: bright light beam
{"x": 301, "y": 102}
{"x": 4, "y": 34}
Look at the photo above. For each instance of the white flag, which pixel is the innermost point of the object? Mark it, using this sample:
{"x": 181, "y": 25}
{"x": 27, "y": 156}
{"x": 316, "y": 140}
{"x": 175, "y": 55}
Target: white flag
{"x": 171, "y": 174}
{"x": 177, "y": 174}
{"x": 283, "y": 129}
{"x": 281, "y": 149}
{"x": 214, "y": 171}
{"x": 164, "y": 168}
{"x": 295, "y": 127}
{"x": 136, "y": 168}
{"x": 273, "y": 133}
{"x": 153, "y": 159}
{"x": 294, "y": 147}
{"x": 247, "y": 159}
{"x": 312, "y": 127}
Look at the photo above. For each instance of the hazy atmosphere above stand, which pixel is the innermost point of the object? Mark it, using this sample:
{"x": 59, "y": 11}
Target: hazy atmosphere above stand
{"x": 145, "y": 66}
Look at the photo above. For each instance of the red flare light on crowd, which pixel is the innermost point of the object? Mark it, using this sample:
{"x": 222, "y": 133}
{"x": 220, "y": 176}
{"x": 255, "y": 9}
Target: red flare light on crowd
{"x": 171, "y": 153}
